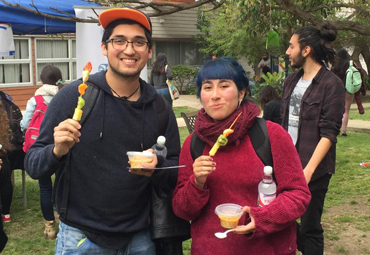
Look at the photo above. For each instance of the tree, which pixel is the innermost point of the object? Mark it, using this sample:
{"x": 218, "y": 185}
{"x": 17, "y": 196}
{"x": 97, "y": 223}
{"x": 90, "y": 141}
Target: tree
{"x": 250, "y": 20}
{"x": 264, "y": 14}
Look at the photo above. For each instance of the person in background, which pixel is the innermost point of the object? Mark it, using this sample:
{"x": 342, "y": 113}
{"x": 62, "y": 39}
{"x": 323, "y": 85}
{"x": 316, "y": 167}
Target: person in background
{"x": 264, "y": 64}
{"x": 6, "y": 188}
{"x": 3, "y": 236}
{"x": 340, "y": 68}
{"x": 270, "y": 104}
{"x": 161, "y": 72}
{"x": 214, "y": 57}
{"x": 51, "y": 78}
{"x": 105, "y": 206}
{"x": 232, "y": 175}
{"x": 312, "y": 110}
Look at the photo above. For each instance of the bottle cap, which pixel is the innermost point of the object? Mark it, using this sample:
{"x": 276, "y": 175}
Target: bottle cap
{"x": 267, "y": 170}
{"x": 161, "y": 140}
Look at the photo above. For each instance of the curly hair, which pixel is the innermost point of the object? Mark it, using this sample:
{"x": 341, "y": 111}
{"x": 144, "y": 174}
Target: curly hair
{"x": 4, "y": 131}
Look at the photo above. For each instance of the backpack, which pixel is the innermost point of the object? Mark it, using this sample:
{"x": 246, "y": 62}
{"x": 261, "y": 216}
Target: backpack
{"x": 15, "y": 117}
{"x": 259, "y": 138}
{"x": 353, "y": 79}
{"x": 33, "y": 129}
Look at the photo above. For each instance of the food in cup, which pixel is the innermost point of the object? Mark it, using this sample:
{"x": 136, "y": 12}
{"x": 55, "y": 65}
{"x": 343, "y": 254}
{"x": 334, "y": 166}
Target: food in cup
{"x": 229, "y": 214}
{"x": 136, "y": 158}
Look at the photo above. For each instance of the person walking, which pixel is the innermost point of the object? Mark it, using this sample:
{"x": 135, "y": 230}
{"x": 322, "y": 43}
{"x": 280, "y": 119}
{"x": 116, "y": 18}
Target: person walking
{"x": 51, "y": 78}
{"x": 340, "y": 68}
{"x": 161, "y": 72}
{"x": 312, "y": 110}
{"x": 104, "y": 207}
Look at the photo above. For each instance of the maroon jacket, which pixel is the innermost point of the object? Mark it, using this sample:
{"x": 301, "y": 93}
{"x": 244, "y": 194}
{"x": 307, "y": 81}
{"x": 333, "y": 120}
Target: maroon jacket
{"x": 235, "y": 180}
{"x": 321, "y": 113}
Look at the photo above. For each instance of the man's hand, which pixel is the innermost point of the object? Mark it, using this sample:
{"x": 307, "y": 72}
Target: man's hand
{"x": 1, "y": 161}
{"x": 308, "y": 175}
{"x": 250, "y": 227}
{"x": 66, "y": 134}
{"x": 143, "y": 171}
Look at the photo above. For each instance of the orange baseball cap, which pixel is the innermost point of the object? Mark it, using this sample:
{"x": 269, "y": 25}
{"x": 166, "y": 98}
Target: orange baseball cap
{"x": 107, "y": 16}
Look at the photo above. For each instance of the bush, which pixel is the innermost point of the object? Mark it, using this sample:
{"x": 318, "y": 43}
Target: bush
{"x": 367, "y": 83}
{"x": 275, "y": 80}
{"x": 184, "y": 77}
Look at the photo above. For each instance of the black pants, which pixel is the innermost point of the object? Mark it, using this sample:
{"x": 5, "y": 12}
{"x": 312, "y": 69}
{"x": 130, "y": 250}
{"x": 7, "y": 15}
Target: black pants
{"x": 310, "y": 238}
{"x": 3, "y": 237}
{"x": 169, "y": 246}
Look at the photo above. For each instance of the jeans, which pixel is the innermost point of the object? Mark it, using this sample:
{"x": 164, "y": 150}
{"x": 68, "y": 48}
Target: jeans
{"x": 46, "y": 193}
{"x": 310, "y": 238}
{"x": 165, "y": 94}
{"x": 72, "y": 241}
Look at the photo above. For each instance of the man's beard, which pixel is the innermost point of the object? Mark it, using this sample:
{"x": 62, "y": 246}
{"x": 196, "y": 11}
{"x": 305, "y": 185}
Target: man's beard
{"x": 124, "y": 75}
{"x": 299, "y": 61}
{"x": 265, "y": 58}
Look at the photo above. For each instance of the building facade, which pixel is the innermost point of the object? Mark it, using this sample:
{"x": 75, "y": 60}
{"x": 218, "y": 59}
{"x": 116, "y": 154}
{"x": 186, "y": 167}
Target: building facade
{"x": 173, "y": 35}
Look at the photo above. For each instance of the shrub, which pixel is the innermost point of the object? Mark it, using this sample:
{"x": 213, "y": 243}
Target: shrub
{"x": 275, "y": 80}
{"x": 184, "y": 77}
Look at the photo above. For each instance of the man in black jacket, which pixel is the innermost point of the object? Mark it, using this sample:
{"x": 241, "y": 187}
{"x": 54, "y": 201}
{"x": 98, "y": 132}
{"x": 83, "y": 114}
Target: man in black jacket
{"x": 312, "y": 110}
{"x": 104, "y": 208}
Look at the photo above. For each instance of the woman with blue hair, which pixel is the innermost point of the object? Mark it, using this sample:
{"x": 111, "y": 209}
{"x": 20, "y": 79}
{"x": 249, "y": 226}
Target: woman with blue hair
{"x": 232, "y": 175}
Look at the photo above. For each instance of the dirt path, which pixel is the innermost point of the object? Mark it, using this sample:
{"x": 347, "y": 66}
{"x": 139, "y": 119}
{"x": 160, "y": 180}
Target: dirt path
{"x": 347, "y": 228}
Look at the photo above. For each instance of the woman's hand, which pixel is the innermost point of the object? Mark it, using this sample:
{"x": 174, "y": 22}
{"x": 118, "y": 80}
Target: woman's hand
{"x": 202, "y": 167}
{"x": 250, "y": 227}
{"x": 66, "y": 134}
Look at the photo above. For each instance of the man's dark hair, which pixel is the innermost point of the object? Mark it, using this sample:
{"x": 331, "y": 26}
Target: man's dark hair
{"x": 109, "y": 30}
{"x": 319, "y": 40}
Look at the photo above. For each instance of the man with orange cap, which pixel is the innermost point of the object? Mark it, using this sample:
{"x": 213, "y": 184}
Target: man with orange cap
{"x": 105, "y": 208}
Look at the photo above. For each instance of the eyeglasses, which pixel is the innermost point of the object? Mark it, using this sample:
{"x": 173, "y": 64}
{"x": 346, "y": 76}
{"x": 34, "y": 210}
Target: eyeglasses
{"x": 121, "y": 44}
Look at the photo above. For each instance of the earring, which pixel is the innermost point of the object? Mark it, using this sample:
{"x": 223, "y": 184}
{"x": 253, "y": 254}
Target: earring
{"x": 240, "y": 102}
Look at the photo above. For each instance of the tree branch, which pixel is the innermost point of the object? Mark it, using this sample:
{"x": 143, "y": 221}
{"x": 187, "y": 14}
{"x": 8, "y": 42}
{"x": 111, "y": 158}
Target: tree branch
{"x": 37, "y": 12}
{"x": 358, "y": 9}
{"x": 363, "y": 29}
{"x": 159, "y": 8}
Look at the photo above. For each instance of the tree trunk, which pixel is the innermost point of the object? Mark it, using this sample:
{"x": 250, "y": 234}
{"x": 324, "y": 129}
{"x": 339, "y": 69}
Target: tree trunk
{"x": 364, "y": 49}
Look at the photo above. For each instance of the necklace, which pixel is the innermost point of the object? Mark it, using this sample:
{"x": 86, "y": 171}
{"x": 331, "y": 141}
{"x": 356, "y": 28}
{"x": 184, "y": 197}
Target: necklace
{"x": 124, "y": 97}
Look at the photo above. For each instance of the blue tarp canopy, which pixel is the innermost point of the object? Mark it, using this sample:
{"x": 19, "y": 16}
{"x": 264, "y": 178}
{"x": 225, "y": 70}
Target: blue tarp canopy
{"x": 24, "y": 22}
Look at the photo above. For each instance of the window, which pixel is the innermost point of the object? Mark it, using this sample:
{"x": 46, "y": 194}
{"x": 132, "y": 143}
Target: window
{"x": 16, "y": 70}
{"x": 58, "y": 52}
{"x": 184, "y": 53}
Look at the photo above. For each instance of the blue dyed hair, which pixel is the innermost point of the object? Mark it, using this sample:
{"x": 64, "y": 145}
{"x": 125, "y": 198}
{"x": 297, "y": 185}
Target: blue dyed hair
{"x": 222, "y": 68}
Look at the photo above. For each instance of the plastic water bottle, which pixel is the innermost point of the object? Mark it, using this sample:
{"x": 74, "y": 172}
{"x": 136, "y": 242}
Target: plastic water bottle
{"x": 160, "y": 149}
{"x": 266, "y": 188}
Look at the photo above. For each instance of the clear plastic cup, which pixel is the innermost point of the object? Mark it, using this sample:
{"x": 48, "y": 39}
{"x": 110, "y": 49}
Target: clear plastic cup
{"x": 229, "y": 214}
{"x": 138, "y": 157}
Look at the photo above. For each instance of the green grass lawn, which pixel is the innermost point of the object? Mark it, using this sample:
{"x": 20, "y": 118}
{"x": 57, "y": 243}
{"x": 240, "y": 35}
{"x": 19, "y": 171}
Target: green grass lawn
{"x": 179, "y": 110}
{"x": 354, "y": 115}
{"x": 349, "y": 188}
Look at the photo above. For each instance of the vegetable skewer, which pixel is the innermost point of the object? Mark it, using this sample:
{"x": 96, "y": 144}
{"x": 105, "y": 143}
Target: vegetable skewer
{"x": 81, "y": 89}
{"x": 222, "y": 139}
